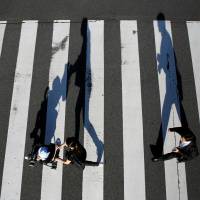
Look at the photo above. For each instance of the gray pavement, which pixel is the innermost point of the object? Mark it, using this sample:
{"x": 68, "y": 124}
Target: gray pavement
{"x": 104, "y": 9}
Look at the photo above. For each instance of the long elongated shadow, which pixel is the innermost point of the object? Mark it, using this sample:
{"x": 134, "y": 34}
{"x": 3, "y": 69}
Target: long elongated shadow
{"x": 46, "y": 118}
{"x": 79, "y": 69}
{"x": 88, "y": 83}
{"x": 167, "y": 63}
{"x": 82, "y": 104}
{"x": 58, "y": 91}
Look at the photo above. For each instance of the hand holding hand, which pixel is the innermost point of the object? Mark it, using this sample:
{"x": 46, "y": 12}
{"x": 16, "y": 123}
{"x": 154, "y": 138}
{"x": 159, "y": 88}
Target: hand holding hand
{"x": 57, "y": 147}
{"x": 67, "y": 162}
{"x": 175, "y": 149}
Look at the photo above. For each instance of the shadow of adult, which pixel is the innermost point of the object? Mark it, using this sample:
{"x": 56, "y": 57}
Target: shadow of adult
{"x": 173, "y": 96}
{"x": 82, "y": 68}
{"x": 45, "y": 124}
{"x": 57, "y": 92}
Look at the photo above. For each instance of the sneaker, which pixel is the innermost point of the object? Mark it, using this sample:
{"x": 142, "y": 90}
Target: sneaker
{"x": 156, "y": 159}
{"x": 54, "y": 165}
{"x": 32, "y": 163}
{"x": 27, "y": 157}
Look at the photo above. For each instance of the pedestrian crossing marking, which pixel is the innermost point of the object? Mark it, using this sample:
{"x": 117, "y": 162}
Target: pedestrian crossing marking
{"x": 193, "y": 33}
{"x": 2, "y": 30}
{"x": 94, "y": 111}
{"x": 176, "y": 187}
{"x": 55, "y": 123}
{"x": 132, "y": 113}
{"x": 93, "y": 180}
{"x": 14, "y": 156}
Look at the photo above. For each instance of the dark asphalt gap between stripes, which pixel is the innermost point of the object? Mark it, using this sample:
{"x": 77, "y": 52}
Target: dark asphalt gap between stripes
{"x": 32, "y": 177}
{"x": 113, "y": 127}
{"x": 154, "y": 172}
{"x": 72, "y": 175}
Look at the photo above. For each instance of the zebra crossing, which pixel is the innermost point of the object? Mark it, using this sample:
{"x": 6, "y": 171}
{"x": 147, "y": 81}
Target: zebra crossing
{"x": 17, "y": 180}
{"x": 55, "y": 128}
{"x": 18, "y": 114}
{"x": 169, "y": 106}
{"x": 132, "y": 109}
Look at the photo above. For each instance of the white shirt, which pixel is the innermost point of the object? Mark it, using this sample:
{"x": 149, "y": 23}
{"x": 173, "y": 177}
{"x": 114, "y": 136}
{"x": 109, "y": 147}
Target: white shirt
{"x": 184, "y": 144}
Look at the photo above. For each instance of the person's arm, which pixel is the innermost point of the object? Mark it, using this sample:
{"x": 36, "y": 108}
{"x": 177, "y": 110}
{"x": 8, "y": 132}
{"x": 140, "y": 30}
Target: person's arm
{"x": 60, "y": 146}
{"x": 65, "y": 162}
{"x": 38, "y": 158}
{"x": 175, "y": 149}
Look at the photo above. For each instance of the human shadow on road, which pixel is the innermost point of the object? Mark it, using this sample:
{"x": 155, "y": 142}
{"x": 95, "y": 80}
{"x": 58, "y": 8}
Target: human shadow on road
{"x": 57, "y": 92}
{"x": 45, "y": 124}
{"x": 173, "y": 96}
{"x": 38, "y": 133}
{"x": 82, "y": 68}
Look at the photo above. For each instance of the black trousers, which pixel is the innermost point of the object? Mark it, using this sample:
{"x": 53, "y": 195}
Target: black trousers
{"x": 91, "y": 163}
{"x": 170, "y": 155}
{"x": 184, "y": 132}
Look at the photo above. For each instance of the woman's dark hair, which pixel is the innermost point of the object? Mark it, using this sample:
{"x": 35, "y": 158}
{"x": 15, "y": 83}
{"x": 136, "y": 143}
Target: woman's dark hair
{"x": 72, "y": 142}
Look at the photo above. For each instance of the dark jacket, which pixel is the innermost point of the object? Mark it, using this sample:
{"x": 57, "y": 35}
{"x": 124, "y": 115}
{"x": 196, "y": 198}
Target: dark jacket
{"x": 77, "y": 155}
{"x": 190, "y": 151}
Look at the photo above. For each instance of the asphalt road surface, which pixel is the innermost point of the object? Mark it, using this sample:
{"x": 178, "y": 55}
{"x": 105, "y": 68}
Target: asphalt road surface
{"x": 127, "y": 9}
{"x": 110, "y": 73}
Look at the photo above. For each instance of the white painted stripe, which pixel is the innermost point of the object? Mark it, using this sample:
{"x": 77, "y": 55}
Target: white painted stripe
{"x": 194, "y": 34}
{"x": 94, "y": 110}
{"x": 175, "y": 176}
{"x": 2, "y": 31}
{"x": 55, "y": 124}
{"x": 14, "y": 156}
{"x": 134, "y": 173}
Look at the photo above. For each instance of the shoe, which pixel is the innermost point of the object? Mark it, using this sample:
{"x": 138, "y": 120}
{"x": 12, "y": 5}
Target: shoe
{"x": 32, "y": 163}
{"x": 156, "y": 150}
{"x": 28, "y": 157}
{"x": 156, "y": 159}
{"x": 54, "y": 165}
{"x": 83, "y": 166}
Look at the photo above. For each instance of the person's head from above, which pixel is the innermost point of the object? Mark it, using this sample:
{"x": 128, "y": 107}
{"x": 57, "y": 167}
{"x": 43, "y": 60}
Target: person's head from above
{"x": 43, "y": 153}
{"x": 71, "y": 143}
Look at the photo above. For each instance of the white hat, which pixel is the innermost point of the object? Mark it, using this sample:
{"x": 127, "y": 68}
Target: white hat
{"x": 43, "y": 153}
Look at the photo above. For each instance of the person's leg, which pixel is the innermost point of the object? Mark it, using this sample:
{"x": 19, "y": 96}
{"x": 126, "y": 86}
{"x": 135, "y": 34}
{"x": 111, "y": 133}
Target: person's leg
{"x": 166, "y": 156}
{"x": 179, "y": 130}
{"x": 157, "y": 149}
{"x": 33, "y": 154}
{"x": 183, "y": 132}
{"x": 91, "y": 163}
